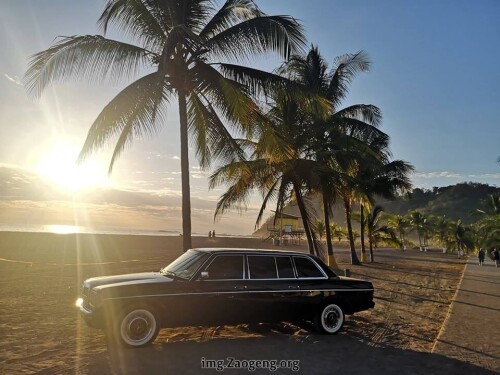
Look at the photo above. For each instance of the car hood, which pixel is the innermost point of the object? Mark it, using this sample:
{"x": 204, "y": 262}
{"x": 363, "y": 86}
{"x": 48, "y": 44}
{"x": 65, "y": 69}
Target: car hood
{"x": 136, "y": 277}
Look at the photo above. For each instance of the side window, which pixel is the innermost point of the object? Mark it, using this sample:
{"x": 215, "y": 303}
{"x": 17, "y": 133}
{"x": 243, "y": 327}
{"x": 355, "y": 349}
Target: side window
{"x": 306, "y": 268}
{"x": 285, "y": 269}
{"x": 226, "y": 267}
{"x": 262, "y": 267}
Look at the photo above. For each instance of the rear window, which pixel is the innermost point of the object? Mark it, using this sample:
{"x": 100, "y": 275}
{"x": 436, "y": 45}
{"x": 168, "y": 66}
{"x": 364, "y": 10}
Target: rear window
{"x": 306, "y": 268}
{"x": 262, "y": 267}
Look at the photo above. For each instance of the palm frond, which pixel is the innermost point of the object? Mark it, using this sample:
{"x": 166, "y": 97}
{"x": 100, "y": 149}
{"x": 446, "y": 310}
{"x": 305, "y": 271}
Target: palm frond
{"x": 280, "y": 34}
{"x": 226, "y": 96}
{"x": 90, "y": 57}
{"x": 366, "y": 113}
{"x": 133, "y": 112}
{"x": 141, "y": 19}
{"x": 211, "y": 136}
{"x": 231, "y": 13}
{"x": 346, "y": 67}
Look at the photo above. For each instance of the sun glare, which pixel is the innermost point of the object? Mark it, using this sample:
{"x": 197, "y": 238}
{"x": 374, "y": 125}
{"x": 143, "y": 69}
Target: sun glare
{"x": 63, "y": 229}
{"x": 59, "y": 165}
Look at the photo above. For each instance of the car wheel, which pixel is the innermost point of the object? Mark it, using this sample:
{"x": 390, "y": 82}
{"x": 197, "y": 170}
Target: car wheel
{"x": 330, "y": 319}
{"x": 137, "y": 327}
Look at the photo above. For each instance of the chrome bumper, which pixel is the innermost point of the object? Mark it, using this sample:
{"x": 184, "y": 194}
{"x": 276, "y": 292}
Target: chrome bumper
{"x": 92, "y": 319}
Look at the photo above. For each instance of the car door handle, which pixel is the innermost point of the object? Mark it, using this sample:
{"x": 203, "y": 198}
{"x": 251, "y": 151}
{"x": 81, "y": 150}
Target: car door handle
{"x": 293, "y": 287}
{"x": 240, "y": 287}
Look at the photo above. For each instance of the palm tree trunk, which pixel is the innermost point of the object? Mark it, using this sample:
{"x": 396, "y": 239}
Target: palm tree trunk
{"x": 326, "y": 208}
{"x": 186, "y": 199}
{"x": 371, "y": 250}
{"x": 303, "y": 213}
{"x": 362, "y": 231}
{"x": 347, "y": 207}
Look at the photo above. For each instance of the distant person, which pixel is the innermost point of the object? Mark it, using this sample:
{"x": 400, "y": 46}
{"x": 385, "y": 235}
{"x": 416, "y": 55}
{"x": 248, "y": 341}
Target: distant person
{"x": 496, "y": 257}
{"x": 480, "y": 256}
{"x": 213, "y": 233}
{"x": 209, "y": 234}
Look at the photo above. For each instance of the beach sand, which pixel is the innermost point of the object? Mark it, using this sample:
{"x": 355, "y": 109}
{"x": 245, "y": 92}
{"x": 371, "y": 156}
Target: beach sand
{"x": 41, "y": 332}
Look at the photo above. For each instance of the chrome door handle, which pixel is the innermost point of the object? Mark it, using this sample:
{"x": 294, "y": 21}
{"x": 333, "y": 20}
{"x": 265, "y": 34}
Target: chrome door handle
{"x": 293, "y": 287}
{"x": 237, "y": 287}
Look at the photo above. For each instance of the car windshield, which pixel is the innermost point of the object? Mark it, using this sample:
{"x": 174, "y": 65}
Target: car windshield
{"x": 186, "y": 265}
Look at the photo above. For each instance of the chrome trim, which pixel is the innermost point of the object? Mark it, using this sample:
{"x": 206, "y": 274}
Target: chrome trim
{"x": 245, "y": 291}
{"x": 84, "y": 311}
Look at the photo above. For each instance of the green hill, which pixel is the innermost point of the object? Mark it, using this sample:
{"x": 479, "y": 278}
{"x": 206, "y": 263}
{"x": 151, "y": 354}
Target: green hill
{"x": 455, "y": 201}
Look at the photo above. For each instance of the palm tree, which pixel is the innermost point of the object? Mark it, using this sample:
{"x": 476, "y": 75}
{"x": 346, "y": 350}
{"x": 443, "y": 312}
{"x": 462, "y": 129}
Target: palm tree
{"x": 329, "y": 137}
{"x": 400, "y": 225}
{"x": 313, "y": 73}
{"x": 442, "y": 225}
{"x": 417, "y": 221}
{"x": 377, "y": 231}
{"x": 187, "y": 46}
{"x": 461, "y": 237}
{"x": 277, "y": 167}
{"x": 491, "y": 205}
{"x": 320, "y": 228}
{"x": 489, "y": 232}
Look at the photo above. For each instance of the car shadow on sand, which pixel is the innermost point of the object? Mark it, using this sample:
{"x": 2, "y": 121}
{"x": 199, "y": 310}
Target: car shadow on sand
{"x": 184, "y": 351}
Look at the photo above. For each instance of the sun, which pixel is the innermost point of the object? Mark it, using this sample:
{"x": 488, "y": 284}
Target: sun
{"x": 59, "y": 165}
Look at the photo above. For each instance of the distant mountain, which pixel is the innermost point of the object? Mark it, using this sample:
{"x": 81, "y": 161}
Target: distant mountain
{"x": 455, "y": 201}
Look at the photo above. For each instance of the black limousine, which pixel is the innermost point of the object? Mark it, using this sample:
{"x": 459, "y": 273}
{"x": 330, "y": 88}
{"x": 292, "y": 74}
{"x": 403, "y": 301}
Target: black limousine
{"x": 222, "y": 286}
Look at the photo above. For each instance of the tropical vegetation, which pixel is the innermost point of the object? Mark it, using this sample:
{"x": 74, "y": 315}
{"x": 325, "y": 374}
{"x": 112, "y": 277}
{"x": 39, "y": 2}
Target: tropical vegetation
{"x": 287, "y": 135}
{"x": 183, "y": 50}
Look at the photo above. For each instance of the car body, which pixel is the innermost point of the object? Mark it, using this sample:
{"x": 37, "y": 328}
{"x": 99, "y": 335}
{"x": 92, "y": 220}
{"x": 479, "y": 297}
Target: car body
{"x": 222, "y": 286}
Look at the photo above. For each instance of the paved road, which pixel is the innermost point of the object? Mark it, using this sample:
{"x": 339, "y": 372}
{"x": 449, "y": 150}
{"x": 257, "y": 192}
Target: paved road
{"x": 472, "y": 330}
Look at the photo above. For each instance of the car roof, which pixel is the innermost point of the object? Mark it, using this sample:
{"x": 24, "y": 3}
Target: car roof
{"x": 248, "y": 251}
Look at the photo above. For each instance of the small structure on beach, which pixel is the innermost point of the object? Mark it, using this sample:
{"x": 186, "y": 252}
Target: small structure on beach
{"x": 286, "y": 229}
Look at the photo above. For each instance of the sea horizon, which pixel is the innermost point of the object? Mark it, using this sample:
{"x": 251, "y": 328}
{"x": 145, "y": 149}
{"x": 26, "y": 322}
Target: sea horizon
{"x": 80, "y": 229}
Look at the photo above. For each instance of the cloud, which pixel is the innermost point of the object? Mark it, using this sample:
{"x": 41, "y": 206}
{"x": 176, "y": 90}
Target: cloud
{"x": 485, "y": 175}
{"x": 14, "y": 79}
{"x": 444, "y": 174}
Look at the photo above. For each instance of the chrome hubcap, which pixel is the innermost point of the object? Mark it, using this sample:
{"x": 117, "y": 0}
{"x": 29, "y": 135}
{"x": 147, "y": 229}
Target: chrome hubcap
{"x": 138, "y": 327}
{"x": 332, "y": 318}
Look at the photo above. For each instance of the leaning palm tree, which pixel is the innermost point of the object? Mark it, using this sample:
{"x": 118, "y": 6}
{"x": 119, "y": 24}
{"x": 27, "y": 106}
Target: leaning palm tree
{"x": 330, "y": 136}
{"x": 189, "y": 49}
{"x": 276, "y": 168}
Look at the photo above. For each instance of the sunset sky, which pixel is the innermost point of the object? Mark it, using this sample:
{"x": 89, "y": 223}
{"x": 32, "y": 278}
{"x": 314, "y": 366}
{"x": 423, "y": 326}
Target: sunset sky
{"x": 435, "y": 77}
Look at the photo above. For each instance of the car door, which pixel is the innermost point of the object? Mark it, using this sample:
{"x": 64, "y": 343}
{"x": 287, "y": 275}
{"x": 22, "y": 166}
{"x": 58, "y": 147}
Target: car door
{"x": 310, "y": 279}
{"x": 272, "y": 287}
{"x": 222, "y": 297}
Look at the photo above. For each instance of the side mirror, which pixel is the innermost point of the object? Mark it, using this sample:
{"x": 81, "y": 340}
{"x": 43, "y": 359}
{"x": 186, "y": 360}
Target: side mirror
{"x": 204, "y": 275}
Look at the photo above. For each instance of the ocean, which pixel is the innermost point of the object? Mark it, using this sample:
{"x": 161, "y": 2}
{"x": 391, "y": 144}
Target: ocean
{"x": 70, "y": 229}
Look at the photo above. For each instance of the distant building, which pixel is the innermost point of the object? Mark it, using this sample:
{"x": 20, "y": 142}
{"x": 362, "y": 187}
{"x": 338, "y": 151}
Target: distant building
{"x": 286, "y": 226}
